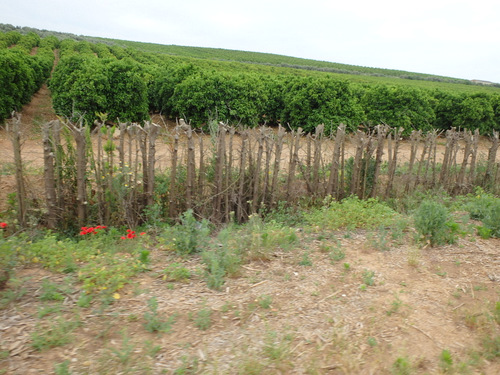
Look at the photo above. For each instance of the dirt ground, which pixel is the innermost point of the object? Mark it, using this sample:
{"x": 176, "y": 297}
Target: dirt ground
{"x": 277, "y": 317}
{"x": 318, "y": 319}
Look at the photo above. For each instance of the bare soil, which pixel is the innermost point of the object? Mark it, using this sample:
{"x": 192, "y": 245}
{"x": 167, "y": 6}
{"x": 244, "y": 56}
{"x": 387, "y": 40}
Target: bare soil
{"x": 320, "y": 318}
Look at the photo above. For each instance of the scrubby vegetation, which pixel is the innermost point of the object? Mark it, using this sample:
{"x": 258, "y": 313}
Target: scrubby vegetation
{"x": 100, "y": 265}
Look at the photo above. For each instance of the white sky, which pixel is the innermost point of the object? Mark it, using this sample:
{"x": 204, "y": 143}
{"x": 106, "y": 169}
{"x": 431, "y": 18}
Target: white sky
{"x": 455, "y": 38}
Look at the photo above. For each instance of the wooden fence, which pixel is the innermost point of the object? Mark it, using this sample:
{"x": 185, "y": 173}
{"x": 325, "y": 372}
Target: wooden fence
{"x": 129, "y": 174}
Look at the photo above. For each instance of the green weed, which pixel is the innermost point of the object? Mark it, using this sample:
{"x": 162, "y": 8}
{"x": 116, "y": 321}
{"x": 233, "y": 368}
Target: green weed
{"x": 58, "y": 333}
{"x": 336, "y": 254}
{"x": 491, "y": 347}
{"x": 251, "y": 366}
{"x": 189, "y": 366}
{"x": 265, "y": 301}
{"x": 276, "y": 348}
{"x": 285, "y": 215}
{"x": 84, "y": 300}
{"x": 154, "y": 321}
{"x": 50, "y": 291}
{"x": 203, "y": 319}
{"x": 62, "y": 368}
{"x": 446, "y": 361}
{"x": 305, "y": 261}
{"x": 125, "y": 352}
{"x": 176, "y": 272}
{"x": 47, "y": 310}
{"x": 108, "y": 273}
{"x": 401, "y": 366}
{"x": 395, "y": 305}
{"x": 432, "y": 223}
{"x": 14, "y": 293}
{"x": 496, "y": 312}
{"x": 220, "y": 262}
{"x": 258, "y": 240}
{"x": 352, "y": 213}
{"x": 368, "y": 277}
{"x": 190, "y": 235}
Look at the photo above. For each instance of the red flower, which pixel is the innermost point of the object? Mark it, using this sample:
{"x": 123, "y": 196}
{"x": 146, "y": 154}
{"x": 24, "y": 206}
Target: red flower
{"x": 131, "y": 235}
{"x": 143, "y": 233}
{"x": 123, "y": 237}
{"x": 3, "y": 225}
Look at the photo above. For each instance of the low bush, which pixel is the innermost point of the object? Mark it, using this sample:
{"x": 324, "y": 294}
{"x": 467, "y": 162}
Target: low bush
{"x": 352, "y": 213}
{"x": 432, "y": 222}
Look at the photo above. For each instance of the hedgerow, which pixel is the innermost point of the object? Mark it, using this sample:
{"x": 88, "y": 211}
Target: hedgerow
{"x": 129, "y": 84}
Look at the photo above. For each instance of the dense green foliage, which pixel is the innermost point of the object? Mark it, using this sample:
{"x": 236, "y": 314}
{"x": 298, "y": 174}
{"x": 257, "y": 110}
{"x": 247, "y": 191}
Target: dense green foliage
{"x": 25, "y": 63}
{"x": 127, "y": 83}
{"x": 129, "y": 80}
{"x": 83, "y": 85}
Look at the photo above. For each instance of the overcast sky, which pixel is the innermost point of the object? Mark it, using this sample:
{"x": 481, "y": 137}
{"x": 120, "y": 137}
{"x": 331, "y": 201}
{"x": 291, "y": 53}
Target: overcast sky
{"x": 454, "y": 38}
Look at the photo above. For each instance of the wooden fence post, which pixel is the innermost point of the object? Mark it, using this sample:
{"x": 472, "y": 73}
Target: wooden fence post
{"x": 277, "y": 166}
{"x": 393, "y": 160}
{"x": 333, "y": 180}
{"x": 172, "y": 194}
{"x": 381, "y": 134}
{"x": 15, "y": 136}
{"x": 49, "y": 173}
{"x": 78, "y": 131}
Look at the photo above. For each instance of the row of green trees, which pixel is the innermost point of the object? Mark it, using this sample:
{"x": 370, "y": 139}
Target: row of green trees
{"x": 128, "y": 84}
{"x": 26, "y": 62}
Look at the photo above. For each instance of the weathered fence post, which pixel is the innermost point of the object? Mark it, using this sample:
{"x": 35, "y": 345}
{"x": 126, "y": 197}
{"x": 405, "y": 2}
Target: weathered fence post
{"x": 381, "y": 134}
{"x": 393, "y": 159}
{"x": 191, "y": 169}
{"x": 15, "y": 137}
{"x": 49, "y": 173}
{"x": 78, "y": 131}
{"x": 240, "y": 208}
{"x": 492, "y": 155}
{"x": 172, "y": 194}
{"x": 333, "y": 180}
{"x": 360, "y": 140}
{"x": 414, "y": 142}
{"x": 294, "y": 159}
{"x": 153, "y": 133}
{"x": 277, "y": 166}
{"x": 318, "y": 140}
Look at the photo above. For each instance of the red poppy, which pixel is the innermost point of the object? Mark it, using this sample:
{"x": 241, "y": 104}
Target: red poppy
{"x": 3, "y": 225}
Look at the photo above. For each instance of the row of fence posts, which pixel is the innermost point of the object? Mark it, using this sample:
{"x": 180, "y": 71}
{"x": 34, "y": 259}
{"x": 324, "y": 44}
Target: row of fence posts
{"x": 111, "y": 175}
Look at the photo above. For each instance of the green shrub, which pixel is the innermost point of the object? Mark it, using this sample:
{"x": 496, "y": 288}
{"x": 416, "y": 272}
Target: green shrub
{"x": 401, "y": 366}
{"x": 7, "y": 260}
{"x": 432, "y": 223}
{"x": 190, "y": 234}
{"x": 176, "y": 272}
{"x": 491, "y": 220}
{"x": 57, "y": 333}
{"x": 479, "y": 204}
{"x": 154, "y": 321}
{"x": 352, "y": 213}
{"x": 486, "y": 208}
{"x": 220, "y": 262}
